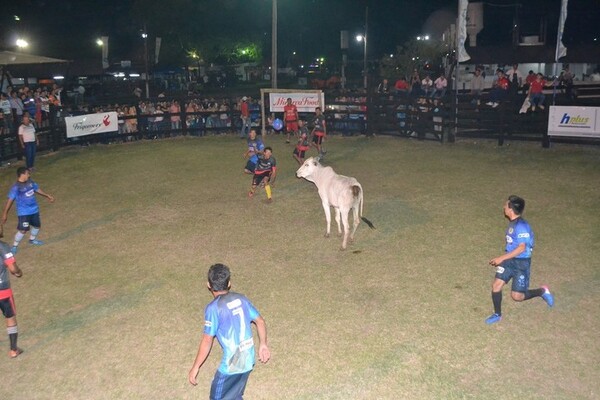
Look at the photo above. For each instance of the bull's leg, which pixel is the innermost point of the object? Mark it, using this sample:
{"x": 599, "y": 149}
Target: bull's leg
{"x": 337, "y": 219}
{"x": 355, "y": 223}
{"x": 327, "y": 217}
{"x": 346, "y": 230}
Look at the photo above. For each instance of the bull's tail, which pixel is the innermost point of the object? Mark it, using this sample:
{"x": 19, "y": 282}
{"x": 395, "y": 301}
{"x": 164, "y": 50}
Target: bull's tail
{"x": 358, "y": 192}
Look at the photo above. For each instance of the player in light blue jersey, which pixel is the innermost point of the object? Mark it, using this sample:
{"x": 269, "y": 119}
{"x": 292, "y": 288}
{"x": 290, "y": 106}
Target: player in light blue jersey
{"x": 255, "y": 148}
{"x": 229, "y": 317}
{"x": 515, "y": 263}
{"x": 28, "y": 212}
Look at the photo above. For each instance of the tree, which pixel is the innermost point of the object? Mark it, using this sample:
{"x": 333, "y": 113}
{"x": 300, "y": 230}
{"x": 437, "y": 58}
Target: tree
{"x": 424, "y": 55}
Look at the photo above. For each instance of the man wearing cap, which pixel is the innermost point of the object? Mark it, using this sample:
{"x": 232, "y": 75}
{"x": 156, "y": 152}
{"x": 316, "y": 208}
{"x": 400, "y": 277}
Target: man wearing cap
{"x": 245, "y": 116}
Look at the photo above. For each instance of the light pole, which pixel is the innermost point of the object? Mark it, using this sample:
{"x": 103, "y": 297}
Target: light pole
{"x": 364, "y": 39}
{"x": 145, "y": 37}
{"x": 274, "y": 46}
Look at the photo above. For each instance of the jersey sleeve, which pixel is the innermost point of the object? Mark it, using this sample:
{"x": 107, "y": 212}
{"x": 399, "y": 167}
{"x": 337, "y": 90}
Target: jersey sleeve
{"x": 12, "y": 193}
{"x": 252, "y": 311}
{"x": 211, "y": 320}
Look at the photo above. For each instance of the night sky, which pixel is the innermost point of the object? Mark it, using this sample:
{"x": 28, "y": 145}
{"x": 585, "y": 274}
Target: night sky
{"x": 68, "y": 29}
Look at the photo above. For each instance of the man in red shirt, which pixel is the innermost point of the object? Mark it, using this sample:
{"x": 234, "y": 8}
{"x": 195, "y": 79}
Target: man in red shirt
{"x": 536, "y": 92}
{"x": 245, "y": 116}
{"x": 500, "y": 90}
{"x": 290, "y": 117}
{"x": 401, "y": 86}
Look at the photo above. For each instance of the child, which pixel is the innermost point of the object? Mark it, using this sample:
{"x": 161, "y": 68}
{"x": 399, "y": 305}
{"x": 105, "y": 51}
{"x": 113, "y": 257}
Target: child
{"x": 270, "y": 120}
{"x": 319, "y": 131}
{"x": 229, "y": 317}
{"x": 303, "y": 143}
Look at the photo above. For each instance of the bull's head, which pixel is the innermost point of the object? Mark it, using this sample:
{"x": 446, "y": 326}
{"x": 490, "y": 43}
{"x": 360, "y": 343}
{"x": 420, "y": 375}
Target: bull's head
{"x": 308, "y": 168}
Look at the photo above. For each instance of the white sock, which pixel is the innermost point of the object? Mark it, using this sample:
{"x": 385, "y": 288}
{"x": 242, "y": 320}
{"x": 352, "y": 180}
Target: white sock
{"x": 33, "y": 234}
{"x": 18, "y": 237}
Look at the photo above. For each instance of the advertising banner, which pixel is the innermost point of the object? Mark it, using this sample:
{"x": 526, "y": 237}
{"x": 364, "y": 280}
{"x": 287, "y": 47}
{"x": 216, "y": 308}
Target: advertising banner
{"x": 574, "y": 121}
{"x": 305, "y": 102}
{"x": 91, "y": 124}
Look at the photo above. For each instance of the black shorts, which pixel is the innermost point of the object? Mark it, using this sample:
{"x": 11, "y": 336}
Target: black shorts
{"x": 258, "y": 178}
{"x": 7, "y": 304}
{"x": 299, "y": 153}
{"x": 25, "y": 221}
{"x": 318, "y": 139}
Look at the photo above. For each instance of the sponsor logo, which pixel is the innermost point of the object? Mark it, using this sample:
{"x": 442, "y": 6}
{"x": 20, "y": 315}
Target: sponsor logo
{"x": 81, "y": 126}
{"x": 207, "y": 324}
{"x": 234, "y": 304}
{"x": 523, "y": 235}
{"x": 576, "y": 121}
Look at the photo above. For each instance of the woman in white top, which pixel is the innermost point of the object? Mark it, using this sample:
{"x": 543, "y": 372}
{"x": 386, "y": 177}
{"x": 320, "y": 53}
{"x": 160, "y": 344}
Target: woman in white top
{"x": 28, "y": 139}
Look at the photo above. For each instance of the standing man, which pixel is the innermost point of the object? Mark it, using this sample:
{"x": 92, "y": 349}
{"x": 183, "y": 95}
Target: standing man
{"x": 245, "y": 116}
{"x": 28, "y": 139}
{"x": 319, "y": 131}
{"x": 477, "y": 86}
{"x": 7, "y": 302}
{"x": 516, "y": 79}
{"x": 229, "y": 317}
{"x": 264, "y": 173}
{"x": 28, "y": 210}
{"x": 290, "y": 114}
{"x": 17, "y": 108}
{"x": 515, "y": 263}
{"x": 255, "y": 148}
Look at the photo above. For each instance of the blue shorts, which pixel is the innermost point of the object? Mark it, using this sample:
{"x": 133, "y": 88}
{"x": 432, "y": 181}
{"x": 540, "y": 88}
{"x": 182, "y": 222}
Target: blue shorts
{"x": 228, "y": 387}
{"x": 25, "y": 221}
{"x": 516, "y": 269}
{"x": 250, "y": 166}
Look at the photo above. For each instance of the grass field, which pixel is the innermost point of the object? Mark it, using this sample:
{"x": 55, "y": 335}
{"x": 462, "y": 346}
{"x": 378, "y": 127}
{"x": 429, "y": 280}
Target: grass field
{"x": 112, "y": 306}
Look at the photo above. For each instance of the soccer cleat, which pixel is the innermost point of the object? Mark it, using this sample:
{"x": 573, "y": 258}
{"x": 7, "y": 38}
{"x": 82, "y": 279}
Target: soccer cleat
{"x": 36, "y": 242}
{"x": 492, "y": 319}
{"x": 489, "y": 103}
{"x": 14, "y": 249}
{"x": 495, "y": 105}
{"x": 548, "y": 297}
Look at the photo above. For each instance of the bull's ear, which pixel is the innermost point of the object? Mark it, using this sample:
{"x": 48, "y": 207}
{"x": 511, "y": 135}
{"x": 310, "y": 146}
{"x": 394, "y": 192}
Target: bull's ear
{"x": 317, "y": 159}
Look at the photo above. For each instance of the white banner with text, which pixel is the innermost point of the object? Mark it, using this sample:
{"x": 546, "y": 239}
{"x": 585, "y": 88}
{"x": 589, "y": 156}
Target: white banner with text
{"x": 304, "y": 101}
{"x": 574, "y": 121}
{"x": 90, "y": 124}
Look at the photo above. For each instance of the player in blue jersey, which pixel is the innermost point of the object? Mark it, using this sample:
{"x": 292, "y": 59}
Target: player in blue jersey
{"x": 255, "y": 148}
{"x": 229, "y": 317}
{"x": 516, "y": 261}
{"x": 28, "y": 212}
{"x": 7, "y": 302}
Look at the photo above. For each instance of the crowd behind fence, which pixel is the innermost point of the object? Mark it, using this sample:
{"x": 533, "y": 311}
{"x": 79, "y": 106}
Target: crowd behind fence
{"x": 443, "y": 118}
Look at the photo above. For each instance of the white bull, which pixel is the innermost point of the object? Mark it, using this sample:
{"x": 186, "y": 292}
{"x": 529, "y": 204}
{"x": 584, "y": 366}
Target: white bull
{"x": 343, "y": 193}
